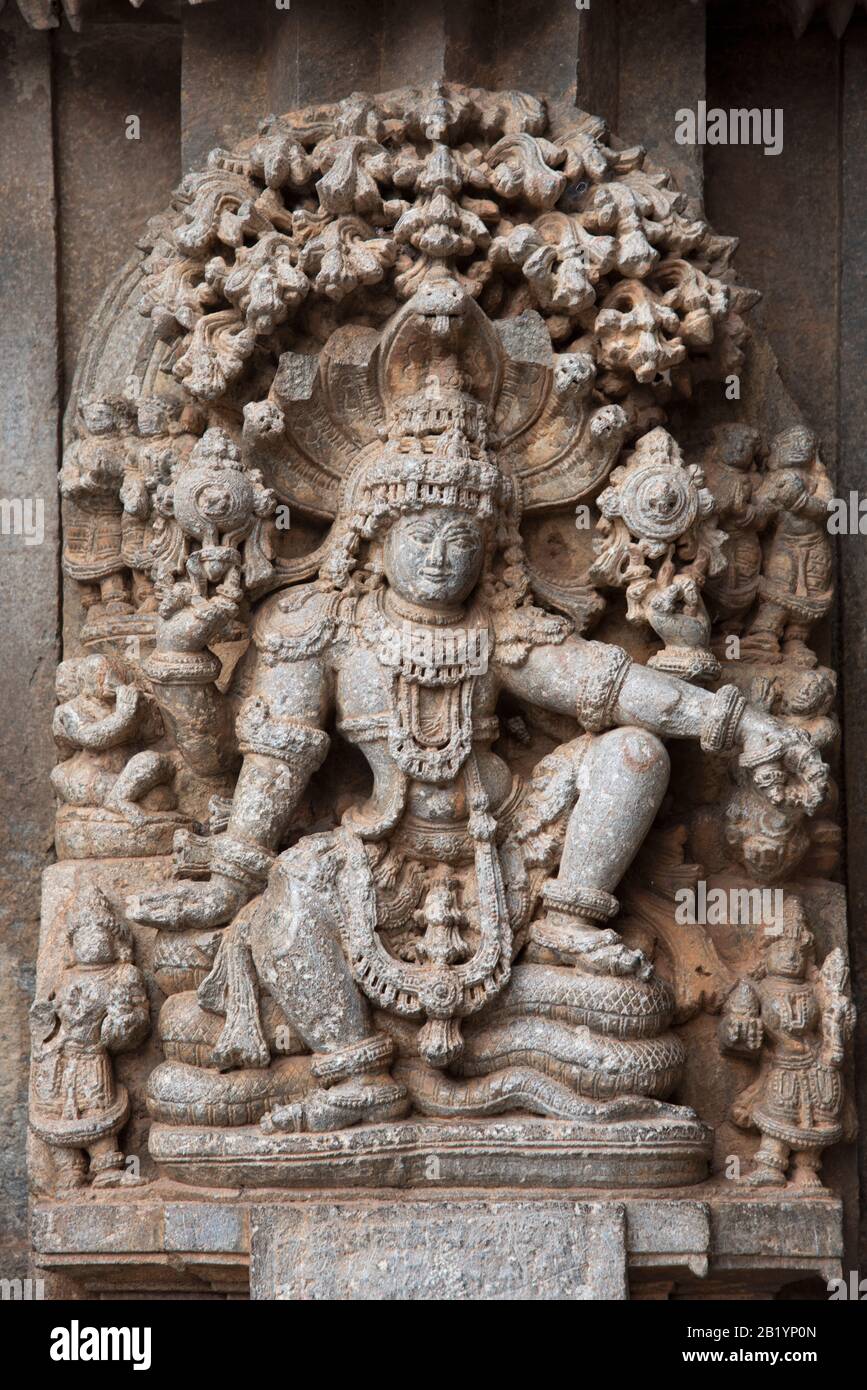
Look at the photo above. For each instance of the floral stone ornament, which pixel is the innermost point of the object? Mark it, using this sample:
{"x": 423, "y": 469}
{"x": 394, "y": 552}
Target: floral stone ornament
{"x": 658, "y": 509}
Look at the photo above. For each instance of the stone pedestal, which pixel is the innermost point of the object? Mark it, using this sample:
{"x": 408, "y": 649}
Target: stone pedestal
{"x": 669, "y": 1149}
{"x": 448, "y": 1245}
{"x": 513, "y": 1248}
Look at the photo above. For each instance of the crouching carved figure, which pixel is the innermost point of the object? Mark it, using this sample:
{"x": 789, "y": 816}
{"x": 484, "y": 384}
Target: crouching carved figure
{"x": 449, "y": 946}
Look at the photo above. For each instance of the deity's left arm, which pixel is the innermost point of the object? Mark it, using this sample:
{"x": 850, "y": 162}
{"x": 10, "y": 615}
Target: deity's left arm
{"x": 598, "y": 684}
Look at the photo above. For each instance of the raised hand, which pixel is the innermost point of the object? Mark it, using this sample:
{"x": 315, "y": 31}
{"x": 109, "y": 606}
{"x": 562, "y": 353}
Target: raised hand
{"x": 785, "y": 765}
{"x": 189, "y": 622}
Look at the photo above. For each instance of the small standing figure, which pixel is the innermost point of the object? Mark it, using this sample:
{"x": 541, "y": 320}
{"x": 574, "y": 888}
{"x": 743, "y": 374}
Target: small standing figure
{"x": 100, "y": 1007}
{"x": 797, "y": 1021}
{"x": 730, "y": 466}
{"x": 795, "y": 588}
{"x": 91, "y": 477}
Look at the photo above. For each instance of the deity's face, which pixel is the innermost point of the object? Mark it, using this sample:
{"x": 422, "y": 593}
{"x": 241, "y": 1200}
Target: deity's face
{"x": 434, "y": 556}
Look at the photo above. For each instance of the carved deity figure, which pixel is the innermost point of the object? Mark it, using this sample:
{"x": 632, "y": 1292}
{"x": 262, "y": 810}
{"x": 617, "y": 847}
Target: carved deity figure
{"x": 91, "y": 476}
{"x": 99, "y": 1008}
{"x": 734, "y": 480}
{"x": 372, "y": 469}
{"x": 795, "y": 588}
{"x": 451, "y": 943}
{"x": 796, "y": 1021}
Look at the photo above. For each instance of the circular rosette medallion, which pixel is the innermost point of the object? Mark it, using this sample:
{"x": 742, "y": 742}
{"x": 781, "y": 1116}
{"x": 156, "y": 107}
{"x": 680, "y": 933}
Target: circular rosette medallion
{"x": 659, "y": 502}
{"x": 213, "y": 500}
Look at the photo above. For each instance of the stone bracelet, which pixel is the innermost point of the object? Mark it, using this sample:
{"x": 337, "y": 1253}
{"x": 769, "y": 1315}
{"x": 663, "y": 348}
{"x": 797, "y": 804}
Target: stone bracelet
{"x": 723, "y": 718}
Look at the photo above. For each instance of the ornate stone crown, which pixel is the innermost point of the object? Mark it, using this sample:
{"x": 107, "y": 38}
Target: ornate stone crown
{"x": 453, "y": 408}
{"x": 435, "y": 453}
{"x": 792, "y": 927}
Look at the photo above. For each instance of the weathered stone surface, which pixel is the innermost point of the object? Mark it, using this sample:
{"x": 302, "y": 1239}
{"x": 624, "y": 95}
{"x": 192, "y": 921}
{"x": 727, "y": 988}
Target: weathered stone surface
{"x": 852, "y": 550}
{"x": 793, "y": 1234}
{"x": 650, "y": 95}
{"x": 668, "y": 1151}
{"x": 154, "y": 1244}
{"x": 454, "y": 1251}
{"x": 118, "y": 154}
{"x": 156, "y": 410}
{"x": 28, "y": 489}
{"x": 798, "y": 278}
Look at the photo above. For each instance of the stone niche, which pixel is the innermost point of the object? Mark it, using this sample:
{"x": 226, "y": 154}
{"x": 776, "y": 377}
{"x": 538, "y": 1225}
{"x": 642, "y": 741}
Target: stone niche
{"x": 446, "y": 901}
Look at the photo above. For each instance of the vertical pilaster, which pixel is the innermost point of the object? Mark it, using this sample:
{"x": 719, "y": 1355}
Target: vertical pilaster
{"x": 661, "y": 71}
{"x": 783, "y": 207}
{"x": 29, "y": 409}
{"x": 852, "y": 475}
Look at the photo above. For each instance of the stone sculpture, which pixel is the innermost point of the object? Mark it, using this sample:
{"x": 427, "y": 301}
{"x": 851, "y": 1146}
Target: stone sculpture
{"x": 113, "y": 801}
{"x": 796, "y": 1020}
{"x": 795, "y": 587}
{"x": 426, "y": 839}
{"x": 98, "y": 1008}
{"x": 415, "y": 623}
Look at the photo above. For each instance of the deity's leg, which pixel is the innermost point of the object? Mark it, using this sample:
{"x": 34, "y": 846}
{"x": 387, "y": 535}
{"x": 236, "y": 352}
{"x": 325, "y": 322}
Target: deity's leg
{"x": 70, "y": 1168}
{"x": 622, "y": 781}
{"x": 295, "y": 940}
{"x": 795, "y": 645}
{"x": 106, "y": 1162}
{"x": 766, "y": 632}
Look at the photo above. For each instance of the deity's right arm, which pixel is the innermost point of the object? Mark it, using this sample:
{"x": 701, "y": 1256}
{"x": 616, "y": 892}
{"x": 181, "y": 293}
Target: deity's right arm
{"x": 279, "y": 731}
{"x": 280, "y": 726}
{"x": 280, "y": 734}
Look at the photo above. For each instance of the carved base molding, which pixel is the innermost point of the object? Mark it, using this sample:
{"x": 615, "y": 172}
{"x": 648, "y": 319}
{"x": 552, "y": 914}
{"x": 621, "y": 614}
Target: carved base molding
{"x": 447, "y": 1245}
{"x": 659, "y": 1151}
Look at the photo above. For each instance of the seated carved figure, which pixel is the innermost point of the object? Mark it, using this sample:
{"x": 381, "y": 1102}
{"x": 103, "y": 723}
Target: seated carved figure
{"x": 450, "y": 944}
{"x": 115, "y": 791}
